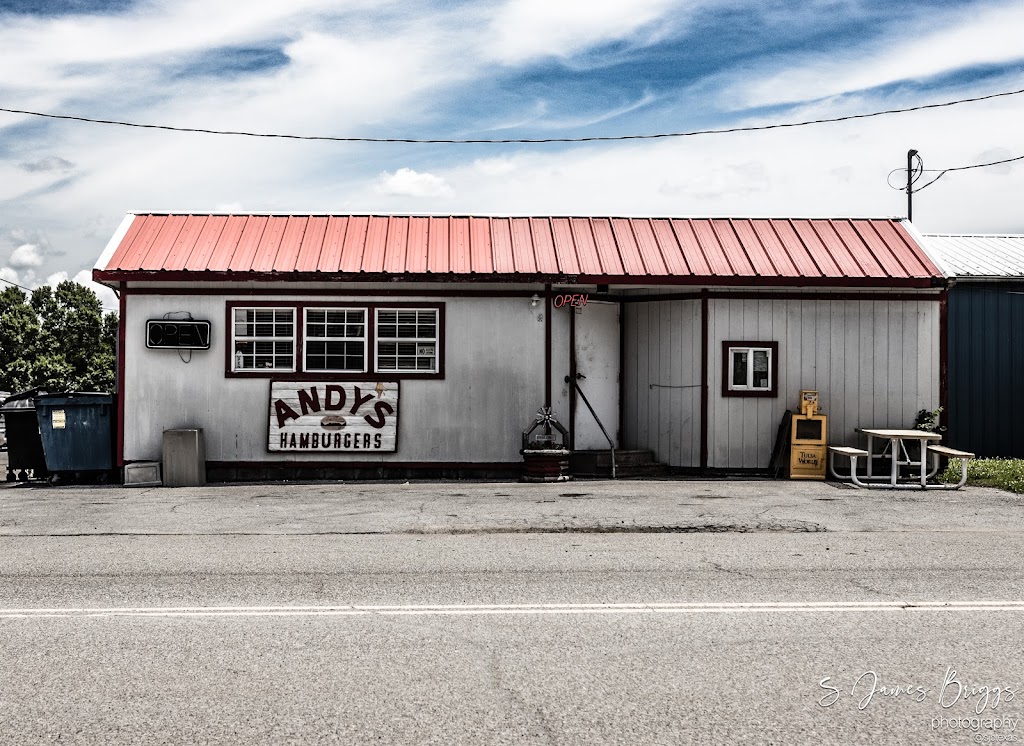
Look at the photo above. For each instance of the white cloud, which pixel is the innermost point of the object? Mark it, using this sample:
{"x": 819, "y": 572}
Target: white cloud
{"x": 25, "y": 256}
{"x": 39, "y": 47}
{"x": 524, "y": 29}
{"x": 495, "y": 166}
{"x": 48, "y": 163}
{"x": 409, "y": 183}
{"x": 11, "y": 275}
{"x": 56, "y": 279}
{"x": 967, "y": 38}
{"x": 588, "y": 120}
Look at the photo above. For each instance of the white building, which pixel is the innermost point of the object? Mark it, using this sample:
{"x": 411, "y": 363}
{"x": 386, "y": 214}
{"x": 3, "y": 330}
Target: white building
{"x": 690, "y": 337}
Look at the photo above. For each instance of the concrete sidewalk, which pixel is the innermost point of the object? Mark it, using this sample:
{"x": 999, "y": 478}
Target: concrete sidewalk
{"x": 499, "y": 507}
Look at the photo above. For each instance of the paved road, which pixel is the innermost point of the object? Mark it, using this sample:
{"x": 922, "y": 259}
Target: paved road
{"x": 499, "y": 636}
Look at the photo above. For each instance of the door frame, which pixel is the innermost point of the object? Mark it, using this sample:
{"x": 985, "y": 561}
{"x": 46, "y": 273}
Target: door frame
{"x": 571, "y": 378}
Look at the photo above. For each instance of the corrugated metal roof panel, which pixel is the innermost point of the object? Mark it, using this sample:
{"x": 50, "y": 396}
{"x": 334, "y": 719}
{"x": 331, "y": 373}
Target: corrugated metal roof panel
{"x": 794, "y": 246}
{"x": 437, "y": 246}
{"x": 565, "y": 247}
{"x": 239, "y": 257}
{"x": 197, "y": 257}
{"x": 586, "y": 245}
{"x": 394, "y": 246}
{"x": 860, "y": 251}
{"x": 979, "y": 255}
{"x": 766, "y": 236}
{"x": 735, "y": 252}
{"x": 416, "y": 259}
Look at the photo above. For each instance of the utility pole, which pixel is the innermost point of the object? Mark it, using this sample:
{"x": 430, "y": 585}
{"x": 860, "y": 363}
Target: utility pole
{"x": 910, "y": 184}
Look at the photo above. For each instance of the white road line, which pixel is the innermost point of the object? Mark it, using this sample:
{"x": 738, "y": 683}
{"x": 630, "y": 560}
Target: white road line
{"x": 510, "y": 609}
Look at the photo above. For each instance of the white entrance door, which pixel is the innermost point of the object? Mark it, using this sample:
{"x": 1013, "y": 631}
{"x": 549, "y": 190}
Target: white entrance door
{"x": 597, "y": 360}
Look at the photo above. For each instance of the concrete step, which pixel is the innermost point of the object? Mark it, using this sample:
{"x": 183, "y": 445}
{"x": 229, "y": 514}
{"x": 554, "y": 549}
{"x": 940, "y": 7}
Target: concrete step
{"x": 628, "y": 463}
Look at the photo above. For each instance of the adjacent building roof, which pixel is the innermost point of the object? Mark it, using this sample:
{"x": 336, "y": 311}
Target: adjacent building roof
{"x": 979, "y": 255}
{"x": 585, "y": 250}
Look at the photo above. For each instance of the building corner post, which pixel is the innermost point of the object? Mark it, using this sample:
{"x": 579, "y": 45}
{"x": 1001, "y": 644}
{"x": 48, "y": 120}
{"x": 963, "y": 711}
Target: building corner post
{"x": 547, "y": 346}
{"x": 119, "y": 380}
{"x": 704, "y": 391}
{"x": 944, "y": 358}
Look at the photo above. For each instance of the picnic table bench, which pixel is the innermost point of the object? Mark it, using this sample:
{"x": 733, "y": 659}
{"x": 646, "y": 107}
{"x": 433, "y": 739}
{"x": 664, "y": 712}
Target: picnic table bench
{"x": 899, "y": 456}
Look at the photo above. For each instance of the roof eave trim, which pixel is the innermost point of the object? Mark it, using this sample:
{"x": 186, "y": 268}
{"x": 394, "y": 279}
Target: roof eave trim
{"x": 988, "y": 278}
{"x": 99, "y": 268}
{"x": 557, "y": 279}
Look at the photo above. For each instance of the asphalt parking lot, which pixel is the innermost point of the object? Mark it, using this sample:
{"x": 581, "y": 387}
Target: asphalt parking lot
{"x": 500, "y": 507}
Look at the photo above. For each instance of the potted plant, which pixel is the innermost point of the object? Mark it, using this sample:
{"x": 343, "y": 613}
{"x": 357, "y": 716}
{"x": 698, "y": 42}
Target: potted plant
{"x": 927, "y": 420}
{"x": 544, "y": 458}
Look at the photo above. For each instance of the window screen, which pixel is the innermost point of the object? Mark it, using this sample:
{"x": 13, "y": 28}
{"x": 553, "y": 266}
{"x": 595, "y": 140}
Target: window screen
{"x": 407, "y": 340}
{"x": 335, "y": 339}
{"x": 264, "y": 339}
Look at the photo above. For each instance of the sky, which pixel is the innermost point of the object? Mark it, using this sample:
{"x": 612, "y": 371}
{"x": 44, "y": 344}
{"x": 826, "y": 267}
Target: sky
{"x": 498, "y": 69}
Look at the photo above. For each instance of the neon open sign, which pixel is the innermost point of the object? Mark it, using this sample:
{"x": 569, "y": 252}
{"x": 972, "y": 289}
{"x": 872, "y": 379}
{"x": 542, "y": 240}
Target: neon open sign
{"x": 165, "y": 334}
{"x": 577, "y": 300}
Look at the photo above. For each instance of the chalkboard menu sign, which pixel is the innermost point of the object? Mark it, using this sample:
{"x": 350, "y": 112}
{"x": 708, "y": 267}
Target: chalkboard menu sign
{"x": 165, "y": 334}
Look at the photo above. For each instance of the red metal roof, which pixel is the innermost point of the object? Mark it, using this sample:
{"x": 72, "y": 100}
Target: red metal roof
{"x": 867, "y": 252}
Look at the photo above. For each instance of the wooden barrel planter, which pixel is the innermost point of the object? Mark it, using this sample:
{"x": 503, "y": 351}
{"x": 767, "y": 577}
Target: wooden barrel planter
{"x": 545, "y": 465}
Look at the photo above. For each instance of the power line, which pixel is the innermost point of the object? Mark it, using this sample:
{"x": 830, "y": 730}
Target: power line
{"x": 943, "y": 171}
{"x": 15, "y": 284}
{"x": 976, "y": 165}
{"x": 30, "y": 290}
{"x": 919, "y": 171}
{"x": 594, "y": 138}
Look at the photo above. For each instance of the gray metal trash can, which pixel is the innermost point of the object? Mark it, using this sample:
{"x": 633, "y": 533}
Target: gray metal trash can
{"x": 184, "y": 458}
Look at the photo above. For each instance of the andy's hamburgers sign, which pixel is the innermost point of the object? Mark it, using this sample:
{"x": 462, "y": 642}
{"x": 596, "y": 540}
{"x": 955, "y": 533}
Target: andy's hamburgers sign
{"x": 328, "y": 417}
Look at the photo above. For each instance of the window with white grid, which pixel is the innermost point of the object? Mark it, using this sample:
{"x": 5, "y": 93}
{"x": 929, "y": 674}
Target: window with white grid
{"x": 263, "y": 339}
{"x": 335, "y": 340}
{"x": 750, "y": 368}
{"x": 406, "y": 340}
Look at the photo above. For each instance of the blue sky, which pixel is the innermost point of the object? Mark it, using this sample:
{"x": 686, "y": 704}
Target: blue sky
{"x": 502, "y": 68}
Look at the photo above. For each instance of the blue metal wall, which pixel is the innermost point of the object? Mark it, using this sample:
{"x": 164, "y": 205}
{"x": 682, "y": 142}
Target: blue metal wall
{"x": 986, "y": 368}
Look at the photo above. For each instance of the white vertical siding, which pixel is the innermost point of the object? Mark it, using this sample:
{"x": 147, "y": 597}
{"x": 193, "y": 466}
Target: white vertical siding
{"x": 493, "y": 386}
{"x": 875, "y": 363}
{"x": 738, "y": 427}
{"x": 662, "y": 380}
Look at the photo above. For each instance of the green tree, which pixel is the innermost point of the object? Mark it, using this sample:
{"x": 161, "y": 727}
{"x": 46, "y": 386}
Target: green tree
{"x": 19, "y": 329}
{"x": 101, "y": 371}
{"x": 58, "y": 339}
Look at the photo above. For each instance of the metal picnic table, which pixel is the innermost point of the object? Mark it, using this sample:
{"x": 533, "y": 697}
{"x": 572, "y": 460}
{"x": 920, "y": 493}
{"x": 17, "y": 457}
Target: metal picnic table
{"x": 899, "y": 456}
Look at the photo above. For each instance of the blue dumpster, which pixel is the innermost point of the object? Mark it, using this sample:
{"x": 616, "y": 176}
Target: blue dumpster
{"x": 77, "y": 430}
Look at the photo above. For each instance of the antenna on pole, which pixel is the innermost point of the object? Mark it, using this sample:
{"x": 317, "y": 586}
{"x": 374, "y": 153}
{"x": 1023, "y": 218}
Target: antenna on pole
{"x": 910, "y": 184}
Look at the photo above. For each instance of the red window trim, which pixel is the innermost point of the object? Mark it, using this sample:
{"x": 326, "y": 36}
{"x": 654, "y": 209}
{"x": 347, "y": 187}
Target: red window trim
{"x": 773, "y": 392}
{"x": 300, "y": 332}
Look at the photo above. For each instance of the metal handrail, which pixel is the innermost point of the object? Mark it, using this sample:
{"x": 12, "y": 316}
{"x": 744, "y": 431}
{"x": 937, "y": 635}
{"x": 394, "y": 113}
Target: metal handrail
{"x": 611, "y": 443}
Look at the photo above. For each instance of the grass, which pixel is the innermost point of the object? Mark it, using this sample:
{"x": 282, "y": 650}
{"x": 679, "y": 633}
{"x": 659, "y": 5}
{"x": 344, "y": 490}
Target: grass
{"x": 1006, "y": 474}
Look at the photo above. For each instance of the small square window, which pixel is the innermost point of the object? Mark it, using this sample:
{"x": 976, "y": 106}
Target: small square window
{"x": 750, "y": 368}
